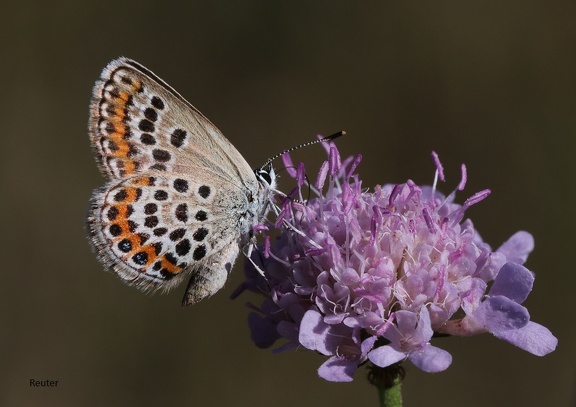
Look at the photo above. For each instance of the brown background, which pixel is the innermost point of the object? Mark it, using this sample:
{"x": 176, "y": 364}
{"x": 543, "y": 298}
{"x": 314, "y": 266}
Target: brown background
{"x": 488, "y": 83}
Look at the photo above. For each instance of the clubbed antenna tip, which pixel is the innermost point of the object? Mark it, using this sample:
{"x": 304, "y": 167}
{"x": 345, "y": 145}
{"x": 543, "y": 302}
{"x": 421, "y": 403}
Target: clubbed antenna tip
{"x": 322, "y": 140}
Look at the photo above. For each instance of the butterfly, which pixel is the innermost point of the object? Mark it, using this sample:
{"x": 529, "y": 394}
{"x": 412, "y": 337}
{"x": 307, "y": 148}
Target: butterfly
{"x": 179, "y": 200}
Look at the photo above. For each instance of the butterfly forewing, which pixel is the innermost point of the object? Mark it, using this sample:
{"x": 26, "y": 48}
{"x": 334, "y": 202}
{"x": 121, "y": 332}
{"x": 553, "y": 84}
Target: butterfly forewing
{"x": 138, "y": 123}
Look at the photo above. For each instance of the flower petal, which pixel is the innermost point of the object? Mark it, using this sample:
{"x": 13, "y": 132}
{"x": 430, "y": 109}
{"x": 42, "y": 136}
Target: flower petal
{"x": 367, "y": 345}
{"x": 513, "y": 281}
{"x": 406, "y": 321}
{"x": 338, "y": 369}
{"x": 499, "y": 314}
{"x": 313, "y": 332}
{"x": 424, "y": 329}
{"x": 385, "y": 356}
{"x": 431, "y": 359}
{"x": 533, "y": 338}
{"x": 517, "y": 247}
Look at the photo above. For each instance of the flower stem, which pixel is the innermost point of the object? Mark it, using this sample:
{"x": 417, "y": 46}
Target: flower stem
{"x": 388, "y": 381}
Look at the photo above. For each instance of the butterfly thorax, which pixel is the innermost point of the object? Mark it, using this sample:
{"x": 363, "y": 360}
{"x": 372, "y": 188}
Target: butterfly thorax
{"x": 259, "y": 202}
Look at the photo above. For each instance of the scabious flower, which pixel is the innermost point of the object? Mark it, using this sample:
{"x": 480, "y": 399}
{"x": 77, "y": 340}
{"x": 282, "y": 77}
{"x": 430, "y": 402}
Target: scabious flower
{"x": 360, "y": 275}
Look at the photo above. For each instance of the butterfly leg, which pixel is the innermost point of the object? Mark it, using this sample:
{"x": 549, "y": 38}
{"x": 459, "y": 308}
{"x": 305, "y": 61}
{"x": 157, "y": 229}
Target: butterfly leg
{"x": 249, "y": 257}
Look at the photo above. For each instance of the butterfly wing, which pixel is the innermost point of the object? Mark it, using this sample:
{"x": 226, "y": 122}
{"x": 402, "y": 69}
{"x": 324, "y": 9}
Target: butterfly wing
{"x": 179, "y": 193}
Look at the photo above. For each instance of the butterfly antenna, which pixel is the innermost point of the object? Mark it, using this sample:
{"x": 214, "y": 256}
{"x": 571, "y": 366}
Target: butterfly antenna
{"x": 310, "y": 143}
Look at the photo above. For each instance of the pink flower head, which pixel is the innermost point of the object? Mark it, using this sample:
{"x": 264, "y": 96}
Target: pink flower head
{"x": 361, "y": 275}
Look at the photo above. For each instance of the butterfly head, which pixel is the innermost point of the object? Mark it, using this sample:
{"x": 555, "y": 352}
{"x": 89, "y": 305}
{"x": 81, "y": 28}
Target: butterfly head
{"x": 267, "y": 187}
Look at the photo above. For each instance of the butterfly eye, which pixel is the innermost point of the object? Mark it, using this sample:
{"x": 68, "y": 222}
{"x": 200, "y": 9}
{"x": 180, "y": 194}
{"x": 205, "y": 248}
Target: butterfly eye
{"x": 266, "y": 174}
{"x": 263, "y": 175}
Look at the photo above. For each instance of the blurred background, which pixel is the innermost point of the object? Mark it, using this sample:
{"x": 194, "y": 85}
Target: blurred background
{"x": 488, "y": 83}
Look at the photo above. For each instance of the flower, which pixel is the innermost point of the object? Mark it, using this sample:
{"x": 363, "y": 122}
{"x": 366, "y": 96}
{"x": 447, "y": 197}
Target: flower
{"x": 370, "y": 276}
{"x": 410, "y": 338}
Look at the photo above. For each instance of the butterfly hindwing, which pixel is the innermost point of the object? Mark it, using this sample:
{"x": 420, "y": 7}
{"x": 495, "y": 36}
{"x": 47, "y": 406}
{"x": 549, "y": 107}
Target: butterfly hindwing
{"x": 153, "y": 229}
